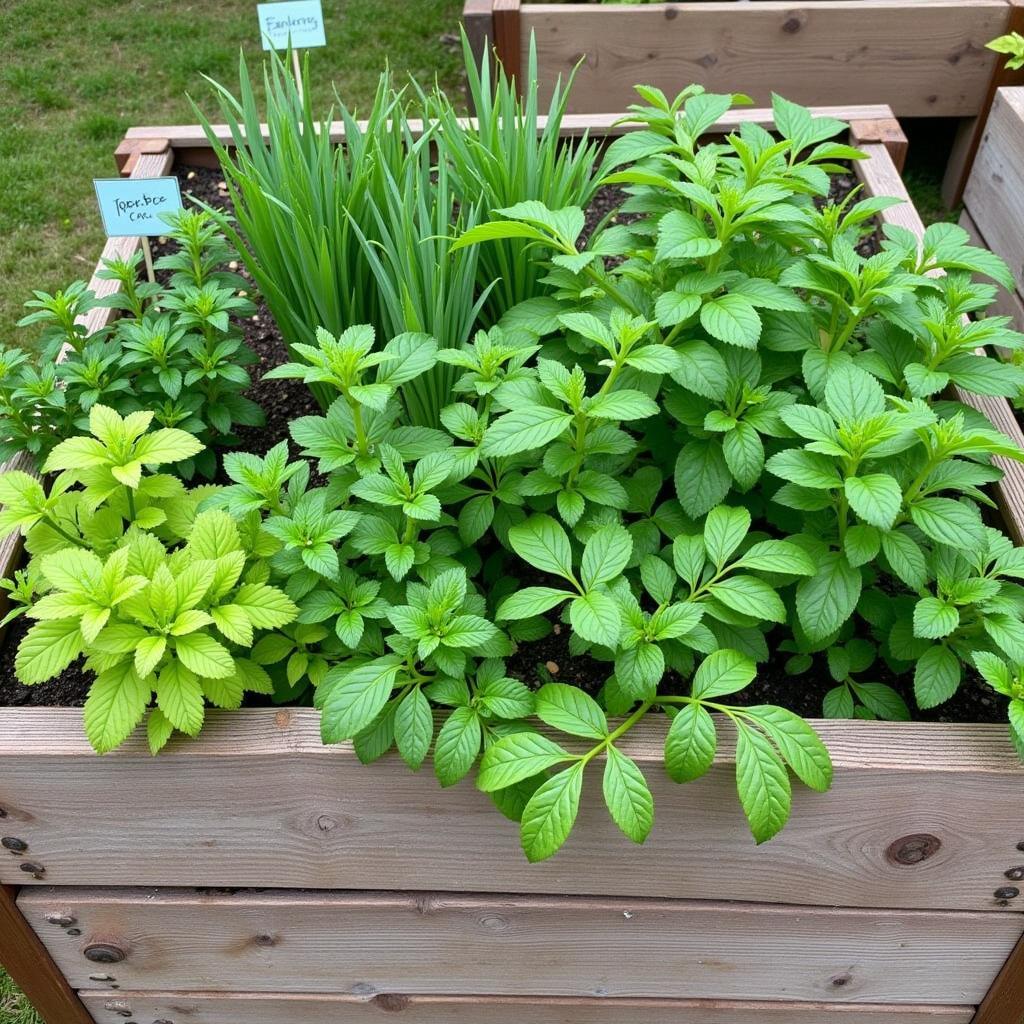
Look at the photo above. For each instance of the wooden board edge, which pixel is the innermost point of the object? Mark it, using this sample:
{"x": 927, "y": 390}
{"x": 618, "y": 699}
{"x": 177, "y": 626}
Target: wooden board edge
{"x": 1004, "y": 1003}
{"x": 115, "y": 1004}
{"x": 508, "y": 43}
{"x": 971, "y": 130}
{"x": 259, "y": 733}
{"x": 192, "y": 136}
{"x": 28, "y": 962}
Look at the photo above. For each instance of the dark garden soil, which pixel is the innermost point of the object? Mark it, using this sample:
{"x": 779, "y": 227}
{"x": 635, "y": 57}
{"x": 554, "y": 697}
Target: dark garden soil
{"x": 534, "y": 663}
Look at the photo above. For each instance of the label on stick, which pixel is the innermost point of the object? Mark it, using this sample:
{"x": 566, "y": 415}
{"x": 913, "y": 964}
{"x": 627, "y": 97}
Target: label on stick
{"x": 132, "y": 206}
{"x": 302, "y": 21}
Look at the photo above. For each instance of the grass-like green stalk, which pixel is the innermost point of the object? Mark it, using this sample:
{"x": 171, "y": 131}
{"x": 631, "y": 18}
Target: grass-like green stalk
{"x": 504, "y": 156}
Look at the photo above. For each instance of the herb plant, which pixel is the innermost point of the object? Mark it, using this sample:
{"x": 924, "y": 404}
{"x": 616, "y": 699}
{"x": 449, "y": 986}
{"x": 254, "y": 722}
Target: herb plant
{"x": 161, "y": 600}
{"x": 174, "y": 351}
{"x": 709, "y": 430}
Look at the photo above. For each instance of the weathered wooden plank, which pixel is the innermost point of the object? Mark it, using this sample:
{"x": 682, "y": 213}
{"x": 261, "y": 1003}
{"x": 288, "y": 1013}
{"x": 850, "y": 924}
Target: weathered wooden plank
{"x": 993, "y": 196}
{"x": 477, "y": 18}
{"x": 370, "y": 943}
{"x": 508, "y": 38}
{"x": 259, "y": 801}
{"x": 192, "y": 136}
{"x": 1006, "y": 303}
{"x": 1004, "y": 1003}
{"x": 970, "y": 132}
{"x": 880, "y": 177}
{"x": 924, "y": 57}
{"x": 26, "y": 960}
{"x": 281, "y": 1008}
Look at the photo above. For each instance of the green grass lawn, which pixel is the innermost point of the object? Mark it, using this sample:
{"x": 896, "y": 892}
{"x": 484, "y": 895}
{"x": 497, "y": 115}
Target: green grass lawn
{"x": 75, "y": 74}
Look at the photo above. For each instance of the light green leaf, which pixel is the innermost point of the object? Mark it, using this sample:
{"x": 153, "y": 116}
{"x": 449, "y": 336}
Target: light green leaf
{"x": 179, "y": 695}
{"x": 723, "y": 672}
{"x": 936, "y": 677}
{"x": 530, "y": 601}
{"x": 749, "y": 596}
{"x": 724, "y": 530}
{"x": 542, "y": 542}
{"x": 732, "y": 319}
{"x": 550, "y": 814}
{"x": 627, "y": 796}
{"x": 570, "y": 710}
{"x": 350, "y": 699}
{"x": 949, "y": 522}
{"x": 826, "y": 600}
{"x": 935, "y": 618}
{"x": 876, "y": 498}
{"x": 799, "y": 744}
{"x": 595, "y": 616}
{"x": 524, "y": 429}
{"x": 204, "y": 656}
{"x": 414, "y": 728}
{"x": 458, "y": 743}
{"x": 48, "y": 648}
{"x": 116, "y": 703}
{"x": 605, "y": 555}
{"x": 762, "y": 783}
{"x": 514, "y": 758}
{"x": 690, "y": 744}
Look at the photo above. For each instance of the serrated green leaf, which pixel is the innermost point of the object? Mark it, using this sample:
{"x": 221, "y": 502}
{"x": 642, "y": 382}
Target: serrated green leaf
{"x": 690, "y": 744}
{"x": 762, "y": 783}
{"x": 569, "y": 709}
{"x": 550, "y": 814}
{"x": 627, "y": 796}
{"x": 514, "y": 758}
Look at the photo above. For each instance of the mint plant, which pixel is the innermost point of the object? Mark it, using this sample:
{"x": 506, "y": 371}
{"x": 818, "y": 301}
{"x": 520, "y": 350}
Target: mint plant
{"x": 174, "y": 351}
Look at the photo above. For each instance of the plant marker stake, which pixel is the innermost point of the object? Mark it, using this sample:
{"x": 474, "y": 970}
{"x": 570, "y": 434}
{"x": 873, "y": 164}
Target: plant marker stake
{"x": 292, "y": 24}
{"x": 147, "y": 255}
{"x": 297, "y": 65}
{"x": 135, "y": 207}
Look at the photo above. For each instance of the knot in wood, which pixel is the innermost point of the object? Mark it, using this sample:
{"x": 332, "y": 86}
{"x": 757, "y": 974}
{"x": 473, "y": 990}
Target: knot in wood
{"x": 31, "y": 868}
{"x": 105, "y": 952}
{"x": 1007, "y": 892}
{"x": 14, "y": 844}
{"x": 391, "y": 1002}
{"x": 913, "y": 849}
{"x": 794, "y": 22}
{"x": 1015, "y": 874}
{"x": 841, "y": 979}
{"x": 671, "y": 12}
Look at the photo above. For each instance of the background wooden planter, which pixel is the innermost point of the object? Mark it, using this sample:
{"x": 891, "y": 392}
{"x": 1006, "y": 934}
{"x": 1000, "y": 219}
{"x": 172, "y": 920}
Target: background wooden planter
{"x": 893, "y": 899}
{"x": 994, "y": 198}
{"x": 925, "y": 58}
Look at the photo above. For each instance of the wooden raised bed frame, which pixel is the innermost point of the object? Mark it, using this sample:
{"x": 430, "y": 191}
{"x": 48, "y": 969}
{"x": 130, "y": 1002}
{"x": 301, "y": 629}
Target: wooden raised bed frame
{"x": 890, "y": 900}
{"x": 924, "y": 58}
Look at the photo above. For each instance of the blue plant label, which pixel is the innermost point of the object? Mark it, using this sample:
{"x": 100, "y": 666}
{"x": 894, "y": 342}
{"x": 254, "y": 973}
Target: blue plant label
{"x": 300, "y": 20}
{"x": 133, "y": 206}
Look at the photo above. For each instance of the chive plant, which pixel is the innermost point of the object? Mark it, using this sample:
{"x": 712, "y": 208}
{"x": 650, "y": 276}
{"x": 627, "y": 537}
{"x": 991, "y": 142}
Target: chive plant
{"x": 507, "y": 154}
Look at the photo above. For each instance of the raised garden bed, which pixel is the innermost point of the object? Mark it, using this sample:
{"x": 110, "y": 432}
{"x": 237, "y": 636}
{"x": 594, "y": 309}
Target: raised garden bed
{"x": 893, "y": 899}
{"x": 992, "y": 210}
{"x": 924, "y": 58}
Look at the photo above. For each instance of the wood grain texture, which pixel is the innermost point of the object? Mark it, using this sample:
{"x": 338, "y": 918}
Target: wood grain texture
{"x": 1004, "y": 1003}
{"x": 192, "y": 136}
{"x": 993, "y": 196}
{"x": 1006, "y": 303}
{"x": 477, "y": 19}
{"x": 969, "y": 136}
{"x": 508, "y": 44}
{"x": 880, "y": 177}
{"x": 281, "y": 1008}
{"x": 370, "y": 943}
{"x": 26, "y": 960}
{"x": 924, "y": 57}
{"x": 257, "y": 800}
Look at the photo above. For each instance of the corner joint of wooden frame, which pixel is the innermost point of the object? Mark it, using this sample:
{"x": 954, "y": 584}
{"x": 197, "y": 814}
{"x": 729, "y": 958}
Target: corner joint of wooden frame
{"x": 884, "y": 130}
{"x": 129, "y": 150}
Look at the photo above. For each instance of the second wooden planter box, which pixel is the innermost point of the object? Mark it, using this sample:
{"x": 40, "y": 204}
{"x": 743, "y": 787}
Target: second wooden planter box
{"x": 256, "y": 875}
